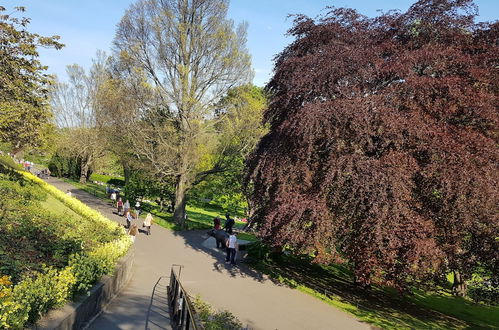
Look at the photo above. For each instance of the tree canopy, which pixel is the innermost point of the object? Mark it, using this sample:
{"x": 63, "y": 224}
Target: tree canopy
{"x": 382, "y": 148}
{"x": 24, "y": 114}
{"x": 191, "y": 55}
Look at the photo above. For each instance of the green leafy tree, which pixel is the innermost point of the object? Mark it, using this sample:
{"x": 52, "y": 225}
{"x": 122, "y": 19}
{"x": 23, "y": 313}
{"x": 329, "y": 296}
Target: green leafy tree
{"x": 240, "y": 125}
{"x": 120, "y": 98}
{"x": 192, "y": 55}
{"x": 24, "y": 112}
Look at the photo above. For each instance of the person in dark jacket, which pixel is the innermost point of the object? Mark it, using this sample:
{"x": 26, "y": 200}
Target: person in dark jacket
{"x": 229, "y": 223}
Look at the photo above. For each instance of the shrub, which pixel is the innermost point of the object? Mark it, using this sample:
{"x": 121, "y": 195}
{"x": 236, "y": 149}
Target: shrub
{"x": 258, "y": 251}
{"x": 61, "y": 166}
{"x": 116, "y": 182}
{"x": 215, "y": 320}
{"x": 33, "y": 296}
{"x": 484, "y": 290}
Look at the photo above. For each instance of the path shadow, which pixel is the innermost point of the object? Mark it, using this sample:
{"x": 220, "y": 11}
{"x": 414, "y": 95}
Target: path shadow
{"x": 130, "y": 314}
{"x": 158, "y": 315}
{"x": 200, "y": 241}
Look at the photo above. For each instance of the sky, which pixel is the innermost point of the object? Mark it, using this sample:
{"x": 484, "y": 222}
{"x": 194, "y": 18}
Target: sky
{"x": 86, "y": 26}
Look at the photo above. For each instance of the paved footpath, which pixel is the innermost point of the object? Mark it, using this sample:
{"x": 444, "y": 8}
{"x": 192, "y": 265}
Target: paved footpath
{"x": 250, "y": 296}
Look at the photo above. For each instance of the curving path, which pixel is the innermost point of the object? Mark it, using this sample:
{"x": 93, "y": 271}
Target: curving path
{"x": 255, "y": 300}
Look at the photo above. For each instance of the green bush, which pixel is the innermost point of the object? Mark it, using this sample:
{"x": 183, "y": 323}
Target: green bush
{"x": 215, "y": 320}
{"x": 484, "y": 290}
{"x": 116, "y": 182}
{"x": 61, "y": 166}
{"x": 33, "y": 296}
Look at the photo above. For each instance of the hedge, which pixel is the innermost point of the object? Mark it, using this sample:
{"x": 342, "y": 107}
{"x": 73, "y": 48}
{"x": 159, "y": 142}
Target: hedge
{"x": 35, "y": 294}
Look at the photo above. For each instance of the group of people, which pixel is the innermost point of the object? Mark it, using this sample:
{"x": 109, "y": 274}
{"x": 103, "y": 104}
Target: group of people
{"x": 231, "y": 245}
{"x": 133, "y": 228}
{"x": 131, "y": 218}
{"x": 43, "y": 173}
{"x": 229, "y": 223}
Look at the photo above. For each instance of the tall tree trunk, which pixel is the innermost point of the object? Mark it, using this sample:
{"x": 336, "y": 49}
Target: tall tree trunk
{"x": 459, "y": 286}
{"x": 180, "y": 200}
{"x": 127, "y": 172}
{"x": 85, "y": 165}
{"x": 249, "y": 213}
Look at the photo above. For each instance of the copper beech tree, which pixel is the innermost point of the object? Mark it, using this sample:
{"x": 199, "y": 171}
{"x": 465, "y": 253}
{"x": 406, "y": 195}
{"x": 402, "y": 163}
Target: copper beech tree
{"x": 382, "y": 148}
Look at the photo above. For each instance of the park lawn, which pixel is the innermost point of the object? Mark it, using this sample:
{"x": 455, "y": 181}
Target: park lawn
{"x": 102, "y": 177}
{"x": 480, "y": 315}
{"x": 382, "y": 307}
{"x": 247, "y": 236}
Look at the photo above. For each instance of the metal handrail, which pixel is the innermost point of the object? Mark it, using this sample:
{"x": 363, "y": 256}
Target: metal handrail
{"x": 182, "y": 313}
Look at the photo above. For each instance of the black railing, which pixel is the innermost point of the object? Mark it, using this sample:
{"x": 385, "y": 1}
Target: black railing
{"x": 182, "y": 313}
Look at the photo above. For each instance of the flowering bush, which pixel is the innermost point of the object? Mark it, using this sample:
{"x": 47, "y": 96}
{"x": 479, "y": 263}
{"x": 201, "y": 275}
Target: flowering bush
{"x": 78, "y": 252}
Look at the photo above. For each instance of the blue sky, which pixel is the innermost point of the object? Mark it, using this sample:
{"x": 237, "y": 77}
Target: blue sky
{"x": 86, "y": 26}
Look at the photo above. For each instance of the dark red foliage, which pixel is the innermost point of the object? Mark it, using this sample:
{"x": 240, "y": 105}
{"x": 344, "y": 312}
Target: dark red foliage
{"x": 383, "y": 147}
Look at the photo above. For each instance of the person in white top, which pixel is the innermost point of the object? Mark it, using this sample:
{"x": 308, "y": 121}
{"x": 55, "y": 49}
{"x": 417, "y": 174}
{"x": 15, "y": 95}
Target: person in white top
{"x": 232, "y": 247}
{"x": 148, "y": 223}
{"x": 113, "y": 197}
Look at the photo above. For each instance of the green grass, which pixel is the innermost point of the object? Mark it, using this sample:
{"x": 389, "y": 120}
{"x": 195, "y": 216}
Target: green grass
{"x": 10, "y": 163}
{"x": 103, "y": 178}
{"x": 38, "y": 159}
{"x": 480, "y": 315}
{"x": 247, "y": 236}
{"x": 197, "y": 217}
{"x": 55, "y": 206}
{"x": 90, "y": 187}
{"x": 381, "y": 307}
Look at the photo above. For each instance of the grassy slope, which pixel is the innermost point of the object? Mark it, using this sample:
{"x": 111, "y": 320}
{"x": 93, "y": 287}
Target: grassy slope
{"x": 381, "y": 307}
{"x": 54, "y": 205}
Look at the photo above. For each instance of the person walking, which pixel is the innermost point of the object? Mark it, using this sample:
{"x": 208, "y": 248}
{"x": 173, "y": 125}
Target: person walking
{"x": 129, "y": 219}
{"x": 148, "y": 223}
{"x": 137, "y": 209}
{"x": 113, "y": 197}
{"x": 134, "y": 230}
{"x": 127, "y": 206}
{"x": 232, "y": 247}
{"x": 119, "y": 204}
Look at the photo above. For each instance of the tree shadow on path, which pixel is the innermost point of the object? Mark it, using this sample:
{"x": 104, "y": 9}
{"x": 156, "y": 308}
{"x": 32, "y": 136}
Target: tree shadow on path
{"x": 201, "y": 242}
{"x": 388, "y": 309}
